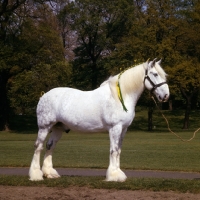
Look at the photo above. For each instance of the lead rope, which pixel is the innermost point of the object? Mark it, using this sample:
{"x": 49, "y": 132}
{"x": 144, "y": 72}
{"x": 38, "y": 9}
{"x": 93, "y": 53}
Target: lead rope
{"x": 194, "y": 134}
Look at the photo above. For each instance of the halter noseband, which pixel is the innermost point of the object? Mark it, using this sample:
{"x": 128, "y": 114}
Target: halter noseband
{"x": 152, "y": 83}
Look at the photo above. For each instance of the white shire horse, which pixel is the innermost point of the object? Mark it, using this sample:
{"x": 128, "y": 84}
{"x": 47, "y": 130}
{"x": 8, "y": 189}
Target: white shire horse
{"x": 111, "y": 107}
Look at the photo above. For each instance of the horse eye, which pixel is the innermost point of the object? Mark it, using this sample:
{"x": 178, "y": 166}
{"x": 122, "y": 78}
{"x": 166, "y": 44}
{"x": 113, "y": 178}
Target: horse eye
{"x": 155, "y": 74}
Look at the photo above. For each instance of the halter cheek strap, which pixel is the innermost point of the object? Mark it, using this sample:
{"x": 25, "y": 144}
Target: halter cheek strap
{"x": 152, "y": 83}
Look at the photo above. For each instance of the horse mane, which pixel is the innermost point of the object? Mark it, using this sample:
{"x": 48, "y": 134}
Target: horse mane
{"x": 131, "y": 79}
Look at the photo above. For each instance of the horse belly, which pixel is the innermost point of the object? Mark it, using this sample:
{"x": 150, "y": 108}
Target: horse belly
{"x": 82, "y": 115}
{"x": 83, "y": 122}
{"x": 85, "y": 127}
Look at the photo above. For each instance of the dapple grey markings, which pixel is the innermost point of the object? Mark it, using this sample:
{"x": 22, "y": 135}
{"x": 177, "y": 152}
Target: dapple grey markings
{"x": 99, "y": 110}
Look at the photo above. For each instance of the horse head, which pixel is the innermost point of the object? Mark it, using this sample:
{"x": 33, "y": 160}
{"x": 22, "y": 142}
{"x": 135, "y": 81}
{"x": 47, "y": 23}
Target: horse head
{"x": 155, "y": 80}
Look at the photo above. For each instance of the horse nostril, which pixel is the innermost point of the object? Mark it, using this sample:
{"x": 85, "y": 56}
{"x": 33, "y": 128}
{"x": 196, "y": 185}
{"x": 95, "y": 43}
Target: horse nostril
{"x": 165, "y": 97}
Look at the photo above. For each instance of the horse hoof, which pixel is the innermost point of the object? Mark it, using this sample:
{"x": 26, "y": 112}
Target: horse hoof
{"x": 53, "y": 176}
{"x": 116, "y": 175}
{"x": 36, "y": 175}
{"x": 50, "y": 173}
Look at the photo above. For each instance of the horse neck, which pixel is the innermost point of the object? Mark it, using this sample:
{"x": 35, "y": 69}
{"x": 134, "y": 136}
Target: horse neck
{"x": 131, "y": 81}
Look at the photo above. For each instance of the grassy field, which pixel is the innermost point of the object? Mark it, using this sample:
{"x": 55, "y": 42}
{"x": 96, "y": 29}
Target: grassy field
{"x": 141, "y": 150}
{"x": 156, "y": 150}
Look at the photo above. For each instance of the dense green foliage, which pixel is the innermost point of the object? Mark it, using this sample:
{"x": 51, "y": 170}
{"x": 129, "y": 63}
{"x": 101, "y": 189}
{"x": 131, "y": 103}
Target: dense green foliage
{"x": 99, "y": 27}
{"x": 31, "y": 57}
{"x": 38, "y": 41}
{"x": 39, "y": 65}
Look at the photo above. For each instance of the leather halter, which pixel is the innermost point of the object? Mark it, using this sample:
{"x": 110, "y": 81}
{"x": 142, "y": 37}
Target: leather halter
{"x": 152, "y": 83}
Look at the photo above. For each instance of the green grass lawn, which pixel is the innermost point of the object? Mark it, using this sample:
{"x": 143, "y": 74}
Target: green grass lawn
{"x": 156, "y": 150}
{"x": 141, "y": 150}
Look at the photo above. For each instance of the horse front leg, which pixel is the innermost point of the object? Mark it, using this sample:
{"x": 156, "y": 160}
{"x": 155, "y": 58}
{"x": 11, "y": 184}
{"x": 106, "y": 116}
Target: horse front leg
{"x": 114, "y": 173}
{"x": 47, "y": 167}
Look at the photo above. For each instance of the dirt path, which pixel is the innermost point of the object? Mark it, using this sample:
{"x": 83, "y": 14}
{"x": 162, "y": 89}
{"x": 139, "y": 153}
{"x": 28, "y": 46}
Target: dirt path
{"x": 84, "y": 193}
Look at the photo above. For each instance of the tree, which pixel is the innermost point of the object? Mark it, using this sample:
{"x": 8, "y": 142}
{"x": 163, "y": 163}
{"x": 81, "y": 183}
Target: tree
{"x": 186, "y": 82}
{"x": 98, "y": 27}
{"x": 185, "y": 76}
{"x": 27, "y": 58}
{"x": 167, "y": 30}
{"x": 179, "y": 47}
{"x": 40, "y": 60}
{"x": 68, "y": 35}
{"x": 7, "y": 9}
{"x": 9, "y": 27}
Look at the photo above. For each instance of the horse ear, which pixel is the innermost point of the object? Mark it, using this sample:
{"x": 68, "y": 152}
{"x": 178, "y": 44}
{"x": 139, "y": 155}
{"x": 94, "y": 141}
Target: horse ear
{"x": 146, "y": 64}
{"x": 159, "y": 61}
{"x": 153, "y": 63}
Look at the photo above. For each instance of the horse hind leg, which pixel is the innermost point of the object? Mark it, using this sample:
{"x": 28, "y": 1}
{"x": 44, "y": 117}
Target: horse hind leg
{"x": 47, "y": 167}
{"x": 35, "y": 172}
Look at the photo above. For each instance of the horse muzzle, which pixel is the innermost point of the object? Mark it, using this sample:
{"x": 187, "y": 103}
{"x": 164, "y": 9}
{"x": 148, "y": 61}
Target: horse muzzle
{"x": 164, "y": 98}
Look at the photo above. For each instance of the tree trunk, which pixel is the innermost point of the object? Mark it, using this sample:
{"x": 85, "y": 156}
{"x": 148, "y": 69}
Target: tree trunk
{"x": 94, "y": 75}
{"x": 170, "y": 105}
{"x": 150, "y": 119}
{"x": 150, "y": 116}
{"x": 188, "y": 97}
{"x": 4, "y": 106}
{"x": 187, "y": 113}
